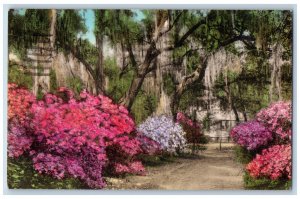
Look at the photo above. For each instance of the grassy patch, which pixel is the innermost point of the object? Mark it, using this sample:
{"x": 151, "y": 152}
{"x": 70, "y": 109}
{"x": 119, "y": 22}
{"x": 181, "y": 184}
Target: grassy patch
{"x": 21, "y": 175}
{"x": 265, "y": 183}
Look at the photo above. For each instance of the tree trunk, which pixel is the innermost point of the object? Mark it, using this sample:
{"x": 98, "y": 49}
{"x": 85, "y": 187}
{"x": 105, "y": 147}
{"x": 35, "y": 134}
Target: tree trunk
{"x": 186, "y": 81}
{"x": 129, "y": 97}
{"x": 152, "y": 53}
{"x": 99, "y": 71}
{"x": 235, "y": 112}
{"x": 245, "y": 115}
{"x": 135, "y": 86}
{"x": 53, "y": 28}
{"x": 175, "y": 103}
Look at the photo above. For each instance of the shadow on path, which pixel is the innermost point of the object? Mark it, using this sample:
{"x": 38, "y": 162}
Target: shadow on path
{"x": 213, "y": 170}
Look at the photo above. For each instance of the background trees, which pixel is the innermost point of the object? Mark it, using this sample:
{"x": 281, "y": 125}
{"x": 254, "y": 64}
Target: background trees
{"x": 178, "y": 44}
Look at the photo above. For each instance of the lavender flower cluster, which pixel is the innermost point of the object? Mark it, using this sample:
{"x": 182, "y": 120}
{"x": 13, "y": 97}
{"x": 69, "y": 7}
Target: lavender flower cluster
{"x": 251, "y": 135}
{"x": 164, "y": 131}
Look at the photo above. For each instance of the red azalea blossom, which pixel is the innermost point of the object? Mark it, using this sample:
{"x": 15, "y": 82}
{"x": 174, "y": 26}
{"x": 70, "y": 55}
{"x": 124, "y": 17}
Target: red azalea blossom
{"x": 274, "y": 162}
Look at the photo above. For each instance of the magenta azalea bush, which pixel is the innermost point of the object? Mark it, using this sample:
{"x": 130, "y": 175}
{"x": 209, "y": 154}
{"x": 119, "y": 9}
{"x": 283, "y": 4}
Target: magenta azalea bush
{"x": 80, "y": 138}
{"x": 251, "y": 135}
{"x": 274, "y": 163}
{"x": 278, "y": 119}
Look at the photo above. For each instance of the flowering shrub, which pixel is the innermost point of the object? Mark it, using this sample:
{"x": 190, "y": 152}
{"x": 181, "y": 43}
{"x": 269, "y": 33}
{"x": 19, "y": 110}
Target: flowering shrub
{"x": 19, "y": 111}
{"x": 81, "y": 138}
{"x": 251, "y": 135}
{"x": 278, "y": 119}
{"x": 148, "y": 146}
{"x": 19, "y": 103}
{"x": 164, "y": 131}
{"x": 192, "y": 129}
{"x": 19, "y": 139}
{"x": 274, "y": 162}
{"x": 272, "y": 123}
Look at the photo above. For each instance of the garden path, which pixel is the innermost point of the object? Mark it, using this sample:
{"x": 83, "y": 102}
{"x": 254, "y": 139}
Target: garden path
{"x": 211, "y": 170}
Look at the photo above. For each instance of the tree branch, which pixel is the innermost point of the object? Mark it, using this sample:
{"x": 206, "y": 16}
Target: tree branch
{"x": 185, "y": 36}
{"x": 171, "y": 26}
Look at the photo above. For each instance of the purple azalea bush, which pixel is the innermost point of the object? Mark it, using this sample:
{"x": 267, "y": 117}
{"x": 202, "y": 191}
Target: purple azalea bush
{"x": 251, "y": 135}
{"x": 163, "y": 130}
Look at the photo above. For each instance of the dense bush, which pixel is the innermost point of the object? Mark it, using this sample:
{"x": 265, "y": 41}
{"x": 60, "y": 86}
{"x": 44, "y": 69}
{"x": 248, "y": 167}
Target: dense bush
{"x": 164, "y": 131}
{"x": 19, "y": 103}
{"x": 81, "y": 138}
{"x": 274, "y": 163}
{"x": 20, "y": 137}
{"x": 278, "y": 119}
{"x": 251, "y": 135}
{"x": 270, "y": 133}
{"x": 191, "y": 128}
{"x": 148, "y": 146}
{"x": 21, "y": 174}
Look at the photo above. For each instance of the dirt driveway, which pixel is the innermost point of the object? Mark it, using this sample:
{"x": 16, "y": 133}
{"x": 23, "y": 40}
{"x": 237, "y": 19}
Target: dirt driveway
{"x": 212, "y": 170}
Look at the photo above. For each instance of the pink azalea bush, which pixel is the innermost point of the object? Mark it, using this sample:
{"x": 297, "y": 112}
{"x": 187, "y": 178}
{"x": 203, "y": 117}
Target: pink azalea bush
{"x": 19, "y": 113}
{"x": 274, "y": 163}
{"x": 278, "y": 119}
{"x": 92, "y": 132}
{"x": 81, "y": 138}
{"x": 251, "y": 135}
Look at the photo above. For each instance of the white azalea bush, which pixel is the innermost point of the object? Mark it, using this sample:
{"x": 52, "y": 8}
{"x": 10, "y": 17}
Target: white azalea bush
{"x": 162, "y": 129}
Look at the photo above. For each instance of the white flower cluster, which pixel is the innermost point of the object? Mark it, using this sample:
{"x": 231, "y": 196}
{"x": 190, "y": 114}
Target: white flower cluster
{"x": 165, "y": 131}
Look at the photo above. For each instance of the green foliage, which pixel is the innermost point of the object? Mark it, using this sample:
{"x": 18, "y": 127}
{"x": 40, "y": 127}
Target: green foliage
{"x": 242, "y": 155}
{"x": 169, "y": 86}
{"x": 70, "y": 24}
{"x": 190, "y": 96}
{"x": 22, "y": 28}
{"x": 143, "y": 106}
{"x": 53, "y": 81}
{"x": 16, "y": 75}
{"x": 204, "y": 139}
{"x": 249, "y": 87}
{"x": 40, "y": 94}
{"x": 206, "y": 122}
{"x": 117, "y": 85}
{"x": 21, "y": 175}
{"x": 75, "y": 84}
{"x": 265, "y": 183}
{"x": 88, "y": 51}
